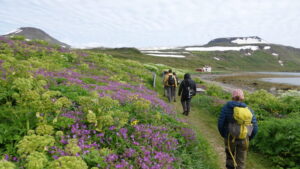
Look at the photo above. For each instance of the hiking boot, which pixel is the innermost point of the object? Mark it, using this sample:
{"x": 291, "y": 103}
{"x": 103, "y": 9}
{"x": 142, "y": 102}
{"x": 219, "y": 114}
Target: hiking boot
{"x": 184, "y": 113}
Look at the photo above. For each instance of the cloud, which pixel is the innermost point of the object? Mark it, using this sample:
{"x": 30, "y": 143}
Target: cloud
{"x": 143, "y": 23}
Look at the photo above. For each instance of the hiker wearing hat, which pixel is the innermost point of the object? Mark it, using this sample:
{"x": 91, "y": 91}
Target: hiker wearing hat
{"x": 171, "y": 83}
{"x": 237, "y": 125}
{"x": 187, "y": 90}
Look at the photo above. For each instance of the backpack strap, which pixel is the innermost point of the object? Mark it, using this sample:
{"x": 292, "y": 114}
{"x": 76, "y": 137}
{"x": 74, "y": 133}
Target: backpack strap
{"x": 229, "y": 149}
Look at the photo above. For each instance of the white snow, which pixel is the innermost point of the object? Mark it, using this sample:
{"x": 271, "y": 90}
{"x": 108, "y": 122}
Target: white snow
{"x": 14, "y": 31}
{"x": 161, "y": 52}
{"x": 267, "y": 47}
{"x": 280, "y": 62}
{"x": 158, "y": 48}
{"x": 217, "y": 58}
{"x": 248, "y": 40}
{"x": 166, "y": 55}
{"x": 27, "y": 39}
{"x": 222, "y": 48}
{"x": 275, "y": 54}
{"x": 248, "y": 54}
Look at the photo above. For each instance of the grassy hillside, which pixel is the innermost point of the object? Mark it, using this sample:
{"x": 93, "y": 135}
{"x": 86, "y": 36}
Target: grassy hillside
{"x": 261, "y": 60}
{"x": 63, "y": 108}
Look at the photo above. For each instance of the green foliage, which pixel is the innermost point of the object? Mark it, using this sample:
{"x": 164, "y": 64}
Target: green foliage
{"x": 95, "y": 157}
{"x": 72, "y": 148}
{"x": 212, "y": 105}
{"x": 36, "y": 160}
{"x": 32, "y": 143}
{"x": 44, "y": 129}
{"x": 280, "y": 139}
{"x": 217, "y": 91}
{"x": 140, "y": 105}
{"x": 72, "y": 92}
{"x": 7, "y": 165}
{"x": 17, "y": 37}
{"x": 68, "y": 162}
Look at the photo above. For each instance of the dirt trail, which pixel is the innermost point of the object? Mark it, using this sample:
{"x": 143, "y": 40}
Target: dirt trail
{"x": 207, "y": 127}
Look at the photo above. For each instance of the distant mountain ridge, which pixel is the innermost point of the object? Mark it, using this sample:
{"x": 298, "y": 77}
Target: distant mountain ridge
{"x": 31, "y": 33}
{"x": 236, "y": 41}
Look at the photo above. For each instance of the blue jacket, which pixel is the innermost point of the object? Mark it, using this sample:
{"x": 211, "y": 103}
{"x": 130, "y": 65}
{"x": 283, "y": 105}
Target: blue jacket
{"x": 226, "y": 117}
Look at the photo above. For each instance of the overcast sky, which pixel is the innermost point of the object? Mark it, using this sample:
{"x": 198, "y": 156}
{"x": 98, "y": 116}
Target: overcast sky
{"x": 148, "y": 23}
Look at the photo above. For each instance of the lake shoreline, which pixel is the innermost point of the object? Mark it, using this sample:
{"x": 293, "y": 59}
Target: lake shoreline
{"x": 249, "y": 81}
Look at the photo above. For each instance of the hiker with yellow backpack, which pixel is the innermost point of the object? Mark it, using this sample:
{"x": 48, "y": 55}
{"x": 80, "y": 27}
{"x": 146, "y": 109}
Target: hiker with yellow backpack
{"x": 237, "y": 125}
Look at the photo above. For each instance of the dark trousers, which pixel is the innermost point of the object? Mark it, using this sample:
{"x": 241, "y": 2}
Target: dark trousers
{"x": 171, "y": 93}
{"x": 165, "y": 91}
{"x": 186, "y": 105}
{"x": 238, "y": 149}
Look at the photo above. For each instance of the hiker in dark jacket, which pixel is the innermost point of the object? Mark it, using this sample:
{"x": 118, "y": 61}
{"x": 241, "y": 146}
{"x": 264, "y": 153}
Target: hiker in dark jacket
{"x": 170, "y": 83}
{"x": 233, "y": 145}
{"x": 187, "y": 89}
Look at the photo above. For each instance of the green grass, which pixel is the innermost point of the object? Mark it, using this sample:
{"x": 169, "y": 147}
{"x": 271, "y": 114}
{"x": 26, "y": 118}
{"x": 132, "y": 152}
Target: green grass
{"x": 261, "y": 60}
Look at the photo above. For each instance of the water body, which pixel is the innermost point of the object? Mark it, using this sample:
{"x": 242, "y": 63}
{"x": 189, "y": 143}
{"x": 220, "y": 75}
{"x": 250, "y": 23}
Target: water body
{"x": 286, "y": 80}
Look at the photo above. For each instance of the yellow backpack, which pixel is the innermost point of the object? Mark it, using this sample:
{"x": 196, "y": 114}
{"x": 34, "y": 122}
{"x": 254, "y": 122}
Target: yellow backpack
{"x": 243, "y": 126}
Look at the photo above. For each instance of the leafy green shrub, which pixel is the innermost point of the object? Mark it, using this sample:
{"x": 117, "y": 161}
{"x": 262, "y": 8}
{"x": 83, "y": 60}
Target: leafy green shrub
{"x": 17, "y": 37}
{"x": 68, "y": 162}
{"x": 7, "y": 165}
{"x": 36, "y": 160}
{"x": 266, "y": 105}
{"x": 216, "y": 91}
{"x": 32, "y": 143}
{"x": 280, "y": 139}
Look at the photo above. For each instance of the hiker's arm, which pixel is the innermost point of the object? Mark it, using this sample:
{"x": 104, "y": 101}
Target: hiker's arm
{"x": 165, "y": 79}
{"x": 180, "y": 89}
{"x": 255, "y": 127}
{"x": 221, "y": 121}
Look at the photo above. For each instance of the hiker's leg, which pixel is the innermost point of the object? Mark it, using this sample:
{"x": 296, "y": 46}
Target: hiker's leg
{"x": 241, "y": 153}
{"x": 229, "y": 160}
{"x": 165, "y": 91}
{"x": 188, "y": 106}
{"x": 183, "y": 103}
{"x": 169, "y": 88}
{"x": 173, "y": 93}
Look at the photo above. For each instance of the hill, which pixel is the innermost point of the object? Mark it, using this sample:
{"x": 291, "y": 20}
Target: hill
{"x": 31, "y": 33}
{"x": 65, "y": 108}
{"x": 223, "y": 54}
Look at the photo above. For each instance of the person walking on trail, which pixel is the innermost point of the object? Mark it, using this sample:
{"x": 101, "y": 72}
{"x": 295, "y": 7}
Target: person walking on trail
{"x": 237, "y": 125}
{"x": 170, "y": 83}
{"x": 187, "y": 90}
{"x": 177, "y": 83}
{"x": 165, "y": 87}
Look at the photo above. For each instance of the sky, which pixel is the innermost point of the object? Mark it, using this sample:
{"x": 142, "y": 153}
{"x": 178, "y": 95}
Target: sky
{"x": 154, "y": 23}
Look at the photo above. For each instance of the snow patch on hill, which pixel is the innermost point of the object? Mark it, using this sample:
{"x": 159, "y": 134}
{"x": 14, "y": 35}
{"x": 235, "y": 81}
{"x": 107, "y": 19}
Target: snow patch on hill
{"x": 216, "y": 58}
{"x": 162, "y": 52}
{"x": 167, "y": 55}
{"x": 222, "y": 48}
{"x": 248, "y": 40}
{"x": 267, "y": 47}
{"x": 14, "y": 31}
{"x": 158, "y": 48}
{"x": 275, "y": 54}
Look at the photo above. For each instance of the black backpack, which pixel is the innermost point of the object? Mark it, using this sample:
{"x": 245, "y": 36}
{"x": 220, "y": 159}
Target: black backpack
{"x": 171, "y": 80}
{"x": 191, "y": 91}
